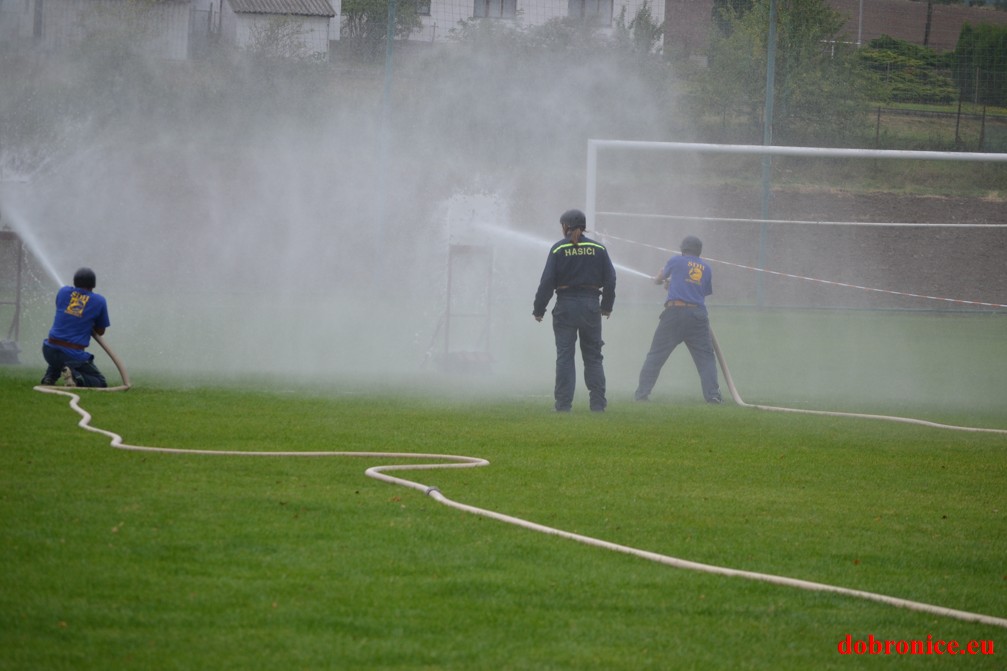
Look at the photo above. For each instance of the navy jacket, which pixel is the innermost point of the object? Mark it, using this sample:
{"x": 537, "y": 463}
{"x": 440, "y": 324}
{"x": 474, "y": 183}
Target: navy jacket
{"x": 585, "y": 266}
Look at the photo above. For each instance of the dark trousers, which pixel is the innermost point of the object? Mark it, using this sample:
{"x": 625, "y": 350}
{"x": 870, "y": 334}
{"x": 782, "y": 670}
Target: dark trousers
{"x": 85, "y": 373}
{"x": 679, "y": 324}
{"x": 573, "y": 316}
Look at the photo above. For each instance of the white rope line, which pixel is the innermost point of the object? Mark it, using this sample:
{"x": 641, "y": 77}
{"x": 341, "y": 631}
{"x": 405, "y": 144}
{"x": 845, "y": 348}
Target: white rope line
{"x": 831, "y": 413}
{"x": 809, "y": 279}
{"x": 802, "y": 222}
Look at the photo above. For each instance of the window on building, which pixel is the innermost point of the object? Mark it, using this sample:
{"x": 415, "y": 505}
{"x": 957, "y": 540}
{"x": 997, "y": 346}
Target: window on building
{"x": 495, "y": 9}
{"x": 595, "y": 12}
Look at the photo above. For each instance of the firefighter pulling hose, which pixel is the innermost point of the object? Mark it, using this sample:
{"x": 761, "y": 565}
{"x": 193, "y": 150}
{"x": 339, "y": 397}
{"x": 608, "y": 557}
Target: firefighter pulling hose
{"x": 81, "y": 314}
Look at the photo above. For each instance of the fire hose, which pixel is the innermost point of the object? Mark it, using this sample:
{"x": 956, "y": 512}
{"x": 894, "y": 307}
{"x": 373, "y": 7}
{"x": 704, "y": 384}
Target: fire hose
{"x": 123, "y": 375}
{"x": 381, "y": 473}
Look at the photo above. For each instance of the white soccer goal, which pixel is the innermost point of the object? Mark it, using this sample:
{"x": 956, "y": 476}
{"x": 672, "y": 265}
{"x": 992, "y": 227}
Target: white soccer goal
{"x": 950, "y": 261}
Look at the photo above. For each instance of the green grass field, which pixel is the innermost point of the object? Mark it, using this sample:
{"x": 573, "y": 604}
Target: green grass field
{"x": 129, "y": 560}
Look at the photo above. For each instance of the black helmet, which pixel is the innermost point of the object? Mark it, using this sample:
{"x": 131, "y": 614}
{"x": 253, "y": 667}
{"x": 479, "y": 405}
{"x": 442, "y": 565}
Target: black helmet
{"x": 692, "y": 245}
{"x": 573, "y": 219}
{"x": 84, "y": 279}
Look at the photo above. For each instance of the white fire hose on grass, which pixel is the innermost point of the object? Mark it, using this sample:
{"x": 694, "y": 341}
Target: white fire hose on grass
{"x": 118, "y": 364}
{"x": 907, "y": 420}
{"x": 455, "y": 461}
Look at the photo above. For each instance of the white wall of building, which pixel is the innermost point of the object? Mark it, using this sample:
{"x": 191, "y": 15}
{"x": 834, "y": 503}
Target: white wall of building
{"x": 162, "y": 28}
{"x": 445, "y": 15}
{"x": 243, "y": 30}
{"x": 16, "y": 19}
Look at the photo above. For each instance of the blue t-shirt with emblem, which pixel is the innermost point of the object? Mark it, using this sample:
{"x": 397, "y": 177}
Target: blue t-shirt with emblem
{"x": 690, "y": 279}
{"x": 78, "y": 313}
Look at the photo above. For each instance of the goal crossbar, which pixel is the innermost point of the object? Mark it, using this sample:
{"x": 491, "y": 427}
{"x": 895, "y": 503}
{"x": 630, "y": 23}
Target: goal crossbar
{"x": 594, "y": 145}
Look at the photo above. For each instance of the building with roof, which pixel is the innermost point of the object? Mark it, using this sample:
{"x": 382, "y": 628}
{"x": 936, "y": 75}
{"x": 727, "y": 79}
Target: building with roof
{"x": 439, "y": 17}
{"x": 300, "y": 28}
{"x": 176, "y": 29}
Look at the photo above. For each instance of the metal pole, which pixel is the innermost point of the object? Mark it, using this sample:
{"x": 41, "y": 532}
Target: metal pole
{"x": 592, "y": 183}
{"x": 767, "y": 138}
{"x": 9, "y": 348}
{"x": 447, "y": 308}
{"x": 860, "y": 25}
{"x": 384, "y": 143}
{"x": 389, "y": 49}
{"x": 821, "y": 152}
{"x": 17, "y": 305}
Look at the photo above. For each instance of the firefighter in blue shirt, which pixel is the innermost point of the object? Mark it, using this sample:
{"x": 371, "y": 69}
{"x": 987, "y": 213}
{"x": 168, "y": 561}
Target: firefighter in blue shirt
{"x": 579, "y": 271}
{"x": 79, "y": 313}
{"x": 684, "y": 319}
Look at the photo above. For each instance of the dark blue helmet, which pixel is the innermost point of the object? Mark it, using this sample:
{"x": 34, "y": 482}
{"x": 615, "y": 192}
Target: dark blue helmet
{"x": 84, "y": 279}
{"x": 573, "y": 219}
{"x": 692, "y": 245}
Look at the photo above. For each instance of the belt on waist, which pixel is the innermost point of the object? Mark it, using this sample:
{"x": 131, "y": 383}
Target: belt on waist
{"x": 680, "y": 304}
{"x": 64, "y": 343}
{"x": 578, "y": 286}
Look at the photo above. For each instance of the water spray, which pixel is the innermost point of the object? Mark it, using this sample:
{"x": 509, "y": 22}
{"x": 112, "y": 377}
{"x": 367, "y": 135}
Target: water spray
{"x": 27, "y": 240}
{"x": 538, "y": 241}
{"x": 31, "y": 242}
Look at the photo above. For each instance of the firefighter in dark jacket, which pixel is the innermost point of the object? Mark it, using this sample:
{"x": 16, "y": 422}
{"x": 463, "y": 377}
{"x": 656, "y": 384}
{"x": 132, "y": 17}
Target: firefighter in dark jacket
{"x": 581, "y": 274}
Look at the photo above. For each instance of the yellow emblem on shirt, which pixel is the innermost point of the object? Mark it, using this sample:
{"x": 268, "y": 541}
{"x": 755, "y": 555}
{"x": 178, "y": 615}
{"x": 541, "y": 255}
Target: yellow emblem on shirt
{"x": 77, "y": 304}
{"x": 695, "y": 272}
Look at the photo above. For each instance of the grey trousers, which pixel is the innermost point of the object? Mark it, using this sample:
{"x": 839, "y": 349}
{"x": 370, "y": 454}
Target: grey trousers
{"x": 679, "y": 324}
{"x": 573, "y": 316}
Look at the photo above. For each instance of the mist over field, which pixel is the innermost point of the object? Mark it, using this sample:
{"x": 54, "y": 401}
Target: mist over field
{"x": 247, "y": 216}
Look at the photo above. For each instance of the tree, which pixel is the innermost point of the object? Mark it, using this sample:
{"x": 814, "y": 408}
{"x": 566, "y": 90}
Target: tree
{"x": 280, "y": 37}
{"x": 907, "y": 72}
{"x": 725, "y": 12}
{"x": 980, "y": 64}
{"x": 642, "y": 35}
{"x": 365, "y": 24}
{"x": 820, "y": 88}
